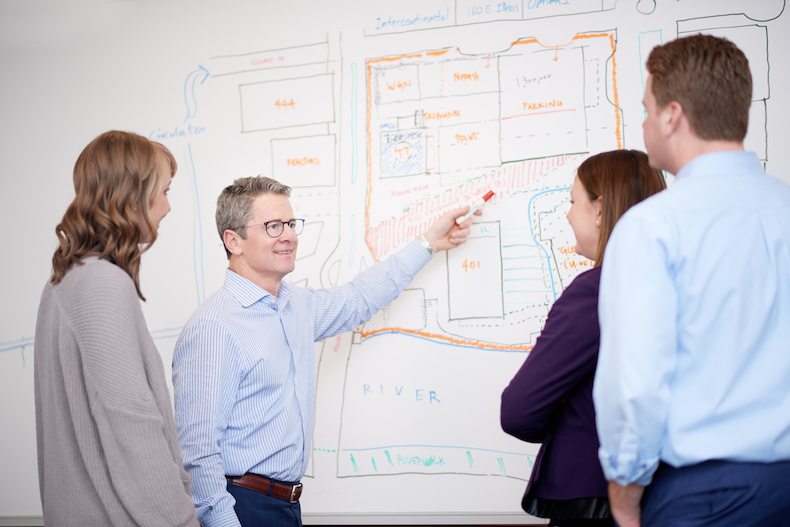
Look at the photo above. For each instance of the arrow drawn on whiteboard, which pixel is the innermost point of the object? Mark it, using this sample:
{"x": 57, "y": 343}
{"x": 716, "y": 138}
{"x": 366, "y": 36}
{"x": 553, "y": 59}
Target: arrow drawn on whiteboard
{"x": 556, "y": 48}
{"x": 189, "y": 90}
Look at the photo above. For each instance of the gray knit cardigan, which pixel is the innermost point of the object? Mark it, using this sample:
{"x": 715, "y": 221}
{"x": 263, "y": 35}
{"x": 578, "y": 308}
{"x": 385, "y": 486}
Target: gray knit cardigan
{"x": 107, "y": 445}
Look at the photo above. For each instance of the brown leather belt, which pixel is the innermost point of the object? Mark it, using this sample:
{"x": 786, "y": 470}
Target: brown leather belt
{"x": 289, "y": 493}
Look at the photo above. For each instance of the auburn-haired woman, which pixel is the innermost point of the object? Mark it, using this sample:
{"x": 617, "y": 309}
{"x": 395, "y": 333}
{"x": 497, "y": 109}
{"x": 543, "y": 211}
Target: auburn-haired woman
{"x": 107, "y": 446}
{"x": 549, "y": 400}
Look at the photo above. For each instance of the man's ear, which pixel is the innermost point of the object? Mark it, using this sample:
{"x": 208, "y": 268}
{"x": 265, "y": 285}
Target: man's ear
{"x": 673, "y": 117}
{"x": 232, "y": 241}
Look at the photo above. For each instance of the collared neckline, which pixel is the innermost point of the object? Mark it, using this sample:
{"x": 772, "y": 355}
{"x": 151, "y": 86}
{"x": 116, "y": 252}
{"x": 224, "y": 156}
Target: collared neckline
{"x": 248, "y": 293}
{"x": 729, "y": 162}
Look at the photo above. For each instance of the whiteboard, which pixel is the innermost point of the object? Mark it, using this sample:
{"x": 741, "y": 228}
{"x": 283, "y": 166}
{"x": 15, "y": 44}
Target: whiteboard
{"x": 381, "y": 116}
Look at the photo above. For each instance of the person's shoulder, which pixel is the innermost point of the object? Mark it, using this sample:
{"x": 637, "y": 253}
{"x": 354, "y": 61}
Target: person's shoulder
{"x": 654, "y": 215}
{"x": 776, "y": 189}
{"x": 213, "y": 307}
{"x": 579, "y": 301}
{"x": 590, "y": 276}
{"x": 658, "y": 204}
{"x": 585, "y": 283}
{"x": 96, "y": 276}
{"x": 582, "y": 288}
{"x": 96, "y": 292}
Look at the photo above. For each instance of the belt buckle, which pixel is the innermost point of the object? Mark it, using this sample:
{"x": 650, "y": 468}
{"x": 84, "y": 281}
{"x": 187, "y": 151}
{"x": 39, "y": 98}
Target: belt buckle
{"x": 293, "y": 493}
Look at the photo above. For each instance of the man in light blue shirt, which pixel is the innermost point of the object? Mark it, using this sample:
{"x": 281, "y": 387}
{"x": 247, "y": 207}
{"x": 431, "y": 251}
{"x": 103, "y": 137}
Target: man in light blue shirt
{"x": 244, "y": 369}
{"x": 692, "y": 390}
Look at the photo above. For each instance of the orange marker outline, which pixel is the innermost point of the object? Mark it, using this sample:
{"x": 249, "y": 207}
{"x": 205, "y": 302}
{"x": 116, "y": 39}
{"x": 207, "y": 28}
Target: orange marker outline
{"x": 369, "y": 66}
{"x": 448, "y": 340}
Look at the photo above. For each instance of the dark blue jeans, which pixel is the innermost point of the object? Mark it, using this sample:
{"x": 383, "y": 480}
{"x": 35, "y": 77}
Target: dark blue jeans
{"x": 255, "y": 509}
{"x": 718, "y": 493}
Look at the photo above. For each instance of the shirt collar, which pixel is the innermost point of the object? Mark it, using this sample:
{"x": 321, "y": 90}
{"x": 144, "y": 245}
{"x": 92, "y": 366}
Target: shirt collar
{"x": 722, "y": 163}
{"x": 248, "y": 293}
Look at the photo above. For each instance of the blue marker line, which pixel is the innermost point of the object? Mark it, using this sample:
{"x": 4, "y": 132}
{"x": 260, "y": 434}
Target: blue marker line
{"x": 168, "y": 333}
{"x": 20, "y": 344}
{"x": 532, "y": 232}
{"x": 17, "y": 345}
{"x": 197, "y": 235}
{"x": 173, "y": 333}
{"x": 189, "y": 89}
{"x": 30, "y": 341}
{"x": 154, "y": 334}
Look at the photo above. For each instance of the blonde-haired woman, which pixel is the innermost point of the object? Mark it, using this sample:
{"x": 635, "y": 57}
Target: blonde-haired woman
{"x": 107, "y": 446}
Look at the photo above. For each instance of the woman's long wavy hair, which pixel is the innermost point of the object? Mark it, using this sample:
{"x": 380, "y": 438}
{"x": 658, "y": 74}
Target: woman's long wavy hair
{"x": 114, "y": 177}
{"x": 622, "y": 178}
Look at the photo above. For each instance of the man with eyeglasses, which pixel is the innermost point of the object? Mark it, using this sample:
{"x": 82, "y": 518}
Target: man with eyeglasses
{"x": 244, "y": 365}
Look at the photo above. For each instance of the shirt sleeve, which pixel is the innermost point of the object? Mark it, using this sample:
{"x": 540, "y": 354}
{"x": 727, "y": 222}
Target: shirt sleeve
{"x": 564, "y": 354}
{"x": 638, "y": 314}
{"x": 343, "y": 308}
{"x": 205, "y": 363}
{"x": 111, "y": 335}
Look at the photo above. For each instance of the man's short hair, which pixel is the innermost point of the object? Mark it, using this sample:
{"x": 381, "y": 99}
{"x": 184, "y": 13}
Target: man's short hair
{"x": 710, "y": 78}
{"x": 234, "y": 205}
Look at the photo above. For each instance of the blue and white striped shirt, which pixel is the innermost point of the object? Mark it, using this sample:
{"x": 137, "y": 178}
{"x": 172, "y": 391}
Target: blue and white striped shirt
{"x": 244, "y": 375}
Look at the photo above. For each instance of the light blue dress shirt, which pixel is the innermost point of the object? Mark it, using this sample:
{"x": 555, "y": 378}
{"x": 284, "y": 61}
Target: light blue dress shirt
{"x": 244, "y": 375}
{"x": 694, "y": 310}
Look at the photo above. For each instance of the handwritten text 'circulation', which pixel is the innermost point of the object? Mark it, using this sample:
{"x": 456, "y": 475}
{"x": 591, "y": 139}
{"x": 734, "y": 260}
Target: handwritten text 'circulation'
{"x": 177, "y": 131}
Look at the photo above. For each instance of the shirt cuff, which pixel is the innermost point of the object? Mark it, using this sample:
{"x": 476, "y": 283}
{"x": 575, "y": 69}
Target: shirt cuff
{"x": 415, "y": 255}
{"x": 221, "y": 519}
{"x": 640, "y": 473}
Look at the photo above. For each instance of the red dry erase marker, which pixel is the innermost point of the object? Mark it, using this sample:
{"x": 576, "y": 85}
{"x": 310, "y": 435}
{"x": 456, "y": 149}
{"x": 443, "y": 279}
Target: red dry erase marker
{"x": 475, "y": 207}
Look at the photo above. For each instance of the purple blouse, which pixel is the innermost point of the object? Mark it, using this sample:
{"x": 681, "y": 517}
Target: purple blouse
{"x": 550, "y": 401}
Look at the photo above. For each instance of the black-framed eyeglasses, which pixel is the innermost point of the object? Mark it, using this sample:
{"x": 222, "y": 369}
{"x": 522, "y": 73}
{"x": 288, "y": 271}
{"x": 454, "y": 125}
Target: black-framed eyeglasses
{"x": 275, "y": 228}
